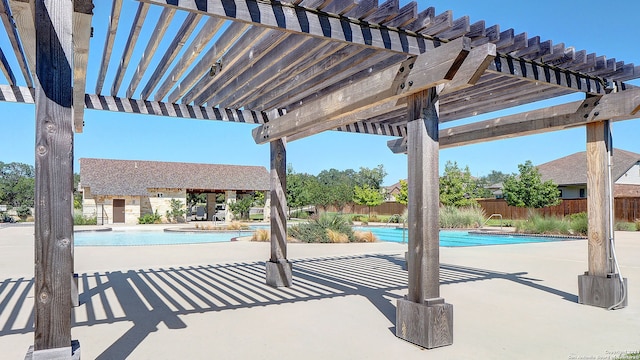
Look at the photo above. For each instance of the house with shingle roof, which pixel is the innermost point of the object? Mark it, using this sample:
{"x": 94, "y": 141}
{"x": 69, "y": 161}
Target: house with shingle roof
{"x": 570, "y": 173}
{"x": 120, "y": 191}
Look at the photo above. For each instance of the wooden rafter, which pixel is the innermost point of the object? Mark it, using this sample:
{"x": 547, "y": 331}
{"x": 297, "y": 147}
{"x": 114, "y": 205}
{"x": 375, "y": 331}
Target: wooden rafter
{"x": 154, "y": 41}
{"x": 291, "y": 18}
{"x": 136, "y": 26}
{"x": 231, "y": 69}
{"x": 209, "y": 59}
{"x": 188, "y": 26}
{"x": 208, "y": 31}
{"x": 12, "y": 34}
{"x": 108, "y": 44}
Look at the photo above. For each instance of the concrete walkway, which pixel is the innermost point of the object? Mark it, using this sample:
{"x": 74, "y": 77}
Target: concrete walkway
{"x": 209, "y": 301}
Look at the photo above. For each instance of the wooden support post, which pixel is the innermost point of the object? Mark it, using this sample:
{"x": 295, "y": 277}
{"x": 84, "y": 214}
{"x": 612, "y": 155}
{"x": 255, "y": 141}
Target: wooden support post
{"x": 54, "y": 181}
{"x": 278, "y": 267}
{"x": 600, "y": 285}
{"x": 423, "y": 317}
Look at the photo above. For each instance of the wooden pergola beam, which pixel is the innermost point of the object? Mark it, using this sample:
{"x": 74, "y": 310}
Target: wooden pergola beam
{"x": 82, "y": 15}
{"x": 136, "y": 26}
{"x": 624, "y": 105}
{"x": 108, "y": 44}
{"x": 12, "y": 34}
{"x": 154, "y": 41}
{"x": 208, "y": 59}
{"x": 416, "y": 74}
{"x": 292, "y": 18}
{"x": 188, "y": 26}
{"x": 208, "y": 31}
{"x": 54, "y": 179}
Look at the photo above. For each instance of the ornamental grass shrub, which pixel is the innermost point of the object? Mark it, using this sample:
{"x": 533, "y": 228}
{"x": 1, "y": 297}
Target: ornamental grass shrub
{"x": 452, "y": 217}
{"x": 537, "y": 224}
{"x": 625, "y": 226}
{"x": 261, "y": 235}
{"x": 315, "y": 230}
{"x": 578, "y": 223}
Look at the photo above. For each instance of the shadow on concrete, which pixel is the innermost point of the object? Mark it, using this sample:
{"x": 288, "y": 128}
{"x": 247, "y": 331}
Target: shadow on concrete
{"x": 148, "y": 298}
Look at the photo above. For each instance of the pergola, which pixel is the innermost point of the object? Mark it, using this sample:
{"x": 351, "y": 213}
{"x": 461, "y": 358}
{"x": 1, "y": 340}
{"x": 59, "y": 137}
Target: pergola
{"x": 296, "y": 68}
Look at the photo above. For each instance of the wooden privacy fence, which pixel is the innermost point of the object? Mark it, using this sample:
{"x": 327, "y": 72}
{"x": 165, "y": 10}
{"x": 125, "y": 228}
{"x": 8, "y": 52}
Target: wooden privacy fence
{"x": 625, "y": 209}
{"x": 387, "y": 208}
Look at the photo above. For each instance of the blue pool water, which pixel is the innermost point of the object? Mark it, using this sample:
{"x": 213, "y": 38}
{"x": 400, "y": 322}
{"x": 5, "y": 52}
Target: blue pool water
{"x": 136, "y": 238}
{"x": 449, "y": 238}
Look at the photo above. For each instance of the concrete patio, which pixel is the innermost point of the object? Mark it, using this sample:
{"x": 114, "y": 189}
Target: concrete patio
{"x": 209, "y": 302}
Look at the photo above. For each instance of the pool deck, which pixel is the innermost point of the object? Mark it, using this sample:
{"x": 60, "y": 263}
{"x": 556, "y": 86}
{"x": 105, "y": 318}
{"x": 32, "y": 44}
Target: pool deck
{"x": 208, "y": 301}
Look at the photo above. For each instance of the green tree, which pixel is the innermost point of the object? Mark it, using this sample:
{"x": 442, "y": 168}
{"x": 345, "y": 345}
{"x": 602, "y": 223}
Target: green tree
{"x": 299, "y": 187}
{"x": 371, "y": 177}
{"x": 17, "y": 184}
{"x": 176, "y": 214}
{"x": 457, "y": 187}
{"x": 403, "y": 196}
{"x": 367, "y": 195}
{"x": 527, "y": 189}
{"x": 77, "y": 195}
{"x": 196, "y": 198}
{"x": 240, "y": 208}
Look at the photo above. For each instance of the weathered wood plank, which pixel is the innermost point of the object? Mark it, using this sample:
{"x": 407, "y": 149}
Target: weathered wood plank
{"x": 428, "y": 70}
{"x": 386, "y": 11}
{"x": 546, "y": 74}
{"x": 278, "y": 176}
{"x": 362, "y": 9}
{"x": 81, "y": 35}
{"x": 136, "y": 26}
{"x": 423, "y": 20}
{"x": 154, "y": 41}
{"x": 54, "y": 174}
{"x": 322, "y": 62}
{"x": 224, "y": 43}
{"x": 108, "y": 44}
{"x": 208, "y": 31}
{"x": 406, "y": 15}
{"x": 459, "y": 28}
{"x": 6, "y": 69}
{"x": 232, "y": 66}
{"x": 284, "y": 69}
{"x": 109, "y": 103}
{"x": 423, "y": 256}
{"x": 599, "y": 198}
{"x": 439, "y": 23}
{"x": 297, "y": 19}
{"x": 350, "y": 70}
{"x": 188, "y": 26}
{"x": 619, "y": 106}
{"x": 282, "y": 55}
{"x": 340, "y": 7}
{"x": 278, "y": 268}
{"x": 23, "y": 14}
{"x": 12, "y": 34}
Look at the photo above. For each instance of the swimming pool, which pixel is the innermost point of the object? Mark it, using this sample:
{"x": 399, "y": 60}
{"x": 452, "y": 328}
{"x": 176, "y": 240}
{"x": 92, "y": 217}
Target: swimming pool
{"x": 452, "y": 238}
{"x": 137, "y": 238}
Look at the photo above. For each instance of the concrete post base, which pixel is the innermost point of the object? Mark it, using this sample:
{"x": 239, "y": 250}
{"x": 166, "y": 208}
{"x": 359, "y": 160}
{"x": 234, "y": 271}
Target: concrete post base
{"x": 601, "y": 291}
{"x": 429, "y": 325}
{"x": 279, "y": 274}
{"x": 66, "y": 353}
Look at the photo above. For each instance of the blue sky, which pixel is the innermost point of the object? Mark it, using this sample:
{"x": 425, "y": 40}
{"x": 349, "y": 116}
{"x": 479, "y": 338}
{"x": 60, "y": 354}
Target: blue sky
{"x": 591, "y": 26}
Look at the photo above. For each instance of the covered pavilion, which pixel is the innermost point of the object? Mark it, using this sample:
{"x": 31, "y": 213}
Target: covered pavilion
{"x": 294, "y": 69}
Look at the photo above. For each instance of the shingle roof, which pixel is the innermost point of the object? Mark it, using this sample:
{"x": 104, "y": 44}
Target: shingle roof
{"x": 572, "y": 169}
{"x": 134, "y": 177}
